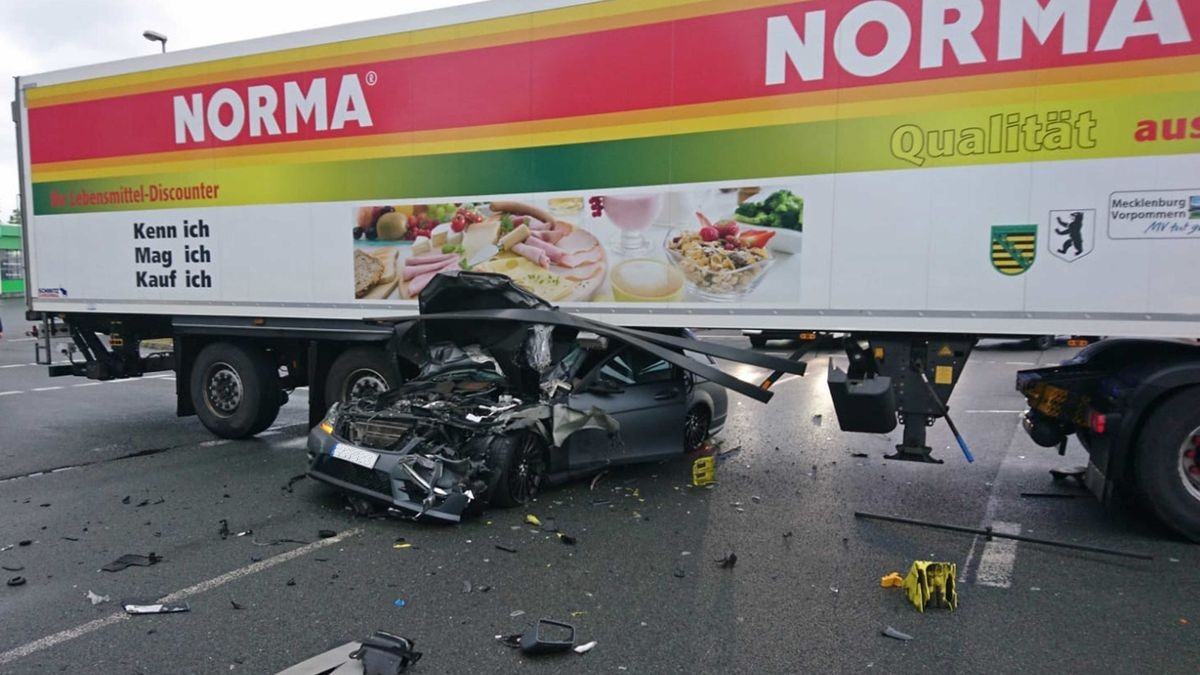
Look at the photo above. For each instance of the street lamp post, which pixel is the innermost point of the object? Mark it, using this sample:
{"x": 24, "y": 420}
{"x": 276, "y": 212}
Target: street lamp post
{"x": 155, "y": 36}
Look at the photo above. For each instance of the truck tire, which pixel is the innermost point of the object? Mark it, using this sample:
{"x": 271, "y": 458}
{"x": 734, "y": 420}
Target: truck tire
{"x": 518, "y": 468}
{"x": 235, "y": 389}
{"x": 360, "y": 371}
{"x": 1167, "y": 464}
{"x": 758, "y": 341}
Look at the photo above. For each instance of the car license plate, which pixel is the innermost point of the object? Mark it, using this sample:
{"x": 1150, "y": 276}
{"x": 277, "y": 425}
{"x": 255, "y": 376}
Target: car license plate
{"x": 355, "y": 455}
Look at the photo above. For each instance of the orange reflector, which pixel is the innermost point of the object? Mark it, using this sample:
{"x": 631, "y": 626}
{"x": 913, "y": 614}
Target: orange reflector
{"x": 808, "y": 336}
{"x": 260, "y": 322}
{"x": 1078, "y": 342}
{"x": 879, "y": 353}
{"x": 326, "y": 427}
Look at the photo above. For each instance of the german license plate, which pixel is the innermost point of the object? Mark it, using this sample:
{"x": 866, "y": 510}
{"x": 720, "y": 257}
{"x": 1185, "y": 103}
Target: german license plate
{"x": 355, "y": 455}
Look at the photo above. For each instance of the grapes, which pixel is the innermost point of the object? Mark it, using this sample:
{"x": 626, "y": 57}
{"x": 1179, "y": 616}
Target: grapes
{"x": 597, "y": 206}
{"x": 358, "y": 233}
{"x": 372, "y": 233}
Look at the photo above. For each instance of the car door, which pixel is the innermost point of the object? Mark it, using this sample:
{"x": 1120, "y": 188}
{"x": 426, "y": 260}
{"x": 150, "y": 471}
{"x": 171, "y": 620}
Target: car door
{"x": 645, "y": 394}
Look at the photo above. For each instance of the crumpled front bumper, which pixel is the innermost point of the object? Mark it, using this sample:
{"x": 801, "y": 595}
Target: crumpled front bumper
{"x": 387, "y": 482}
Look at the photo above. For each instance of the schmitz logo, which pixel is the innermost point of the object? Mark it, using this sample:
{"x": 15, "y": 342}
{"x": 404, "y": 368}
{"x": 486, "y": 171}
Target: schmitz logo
{"x": 266, "y": 110}
{"x": 963, "y": 29}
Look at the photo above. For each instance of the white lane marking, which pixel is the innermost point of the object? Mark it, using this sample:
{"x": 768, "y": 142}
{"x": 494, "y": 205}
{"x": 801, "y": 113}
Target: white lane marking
{"x": 214, "y": 443}
{"x": 1019, "y": 363}
{"x": 87, "y": 384}
{"x": 998, "y": 557}
{"x": 10, "y": 393}
{"x": 216, "y": 582}
{"x": 997, "y": 412}
{"x": 15, "y": 365}
{"x": 25, "y": 339}
{"x": 45, "y": 388}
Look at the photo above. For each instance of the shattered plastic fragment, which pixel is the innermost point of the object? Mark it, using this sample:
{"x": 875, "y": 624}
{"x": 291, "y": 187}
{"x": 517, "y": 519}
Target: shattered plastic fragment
{"x": 97, "y": 599}
{"x": 16, "y": 581}
{"x": 896, "y": 635}
{"x": 236, "y": 605}
{"x": 466, "y": 587}
{"x": 385, "y": 654}
{"x": 400, "y": 602}
{"x": 507, "y": 549}
{"x": 137, "y": 607}
{"x": 533, "y": 520}
{"x": 566, "y": 539}
{"x": 585, "y": 647}
{"x": 892, "y": 580}
{"x": 515, "y": 613}
{"x": 728, "y": 561}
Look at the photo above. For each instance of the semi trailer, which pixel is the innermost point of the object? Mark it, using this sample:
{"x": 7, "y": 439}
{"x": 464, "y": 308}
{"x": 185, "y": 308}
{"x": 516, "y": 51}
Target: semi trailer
{"x": 911, "y": 174}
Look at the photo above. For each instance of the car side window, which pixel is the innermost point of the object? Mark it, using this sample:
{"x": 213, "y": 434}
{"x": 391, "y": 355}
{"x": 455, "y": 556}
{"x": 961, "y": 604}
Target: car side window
{"x": 634, "y": 366}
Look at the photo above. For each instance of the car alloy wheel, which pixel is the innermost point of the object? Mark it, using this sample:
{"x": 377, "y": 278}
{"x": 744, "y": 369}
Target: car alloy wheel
{"x": 695, "y": 428}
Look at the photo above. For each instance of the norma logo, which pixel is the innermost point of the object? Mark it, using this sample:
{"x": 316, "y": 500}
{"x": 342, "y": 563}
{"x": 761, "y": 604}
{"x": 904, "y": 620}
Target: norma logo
{"x": 52, "y": 292}
{"x": 270, "y": 110}
{"x": 970, "y": 31}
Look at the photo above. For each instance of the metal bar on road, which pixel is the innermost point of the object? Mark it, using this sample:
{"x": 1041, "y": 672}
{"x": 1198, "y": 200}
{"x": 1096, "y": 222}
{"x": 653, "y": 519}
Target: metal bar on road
{"x": 990, "y": 533}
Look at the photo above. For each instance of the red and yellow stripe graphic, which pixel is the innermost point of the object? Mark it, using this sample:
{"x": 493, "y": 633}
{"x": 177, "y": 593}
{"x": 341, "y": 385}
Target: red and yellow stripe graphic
{"x": 615, "y": 72}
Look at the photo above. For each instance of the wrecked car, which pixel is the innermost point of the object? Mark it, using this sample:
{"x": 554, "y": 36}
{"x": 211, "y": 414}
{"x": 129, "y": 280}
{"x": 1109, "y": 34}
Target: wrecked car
{"x": 511, "y": 394}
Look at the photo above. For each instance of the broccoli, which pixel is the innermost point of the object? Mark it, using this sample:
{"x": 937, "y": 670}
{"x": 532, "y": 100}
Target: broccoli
{"x": 781, "y": 209}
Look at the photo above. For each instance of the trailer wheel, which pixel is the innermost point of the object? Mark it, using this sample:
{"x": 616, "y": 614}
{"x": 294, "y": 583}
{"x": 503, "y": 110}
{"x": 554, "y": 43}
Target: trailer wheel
{"x": 1167, "y": 464}
{"x": 234, "y": 389}
{"x": 758, "y": 341}
{"x": 358, "y": 372}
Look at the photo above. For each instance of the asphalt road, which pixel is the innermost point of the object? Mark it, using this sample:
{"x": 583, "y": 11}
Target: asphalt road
{"x": 803, "y": 597}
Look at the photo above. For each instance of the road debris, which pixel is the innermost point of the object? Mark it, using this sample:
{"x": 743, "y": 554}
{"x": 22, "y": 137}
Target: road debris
{"x": 892, "y": 580}
{"x": 817, "y": 420}
{"x": 96, "y": 599}
{"x": 515, "y": 613}
{"x": 132, "y": 560}
{"x": 896, "y": 635}
{"x": 932, "y": 584}
{"x": 326, "y": 534}
{"x": 566, "y": 538}
{"x": 16, "y": 581}
{"x": 292, "y": 481}
{"x": 533, "y": 520}
{"x": 679, "y": 573}
{"x": 704, "y": 471}
{"x": 385, "y": 653}
{"x": 13, "y": 568}
{"x": 466, "y": 587}
{"x": 545, "y": 637}
{"x": 728, "y": 561}
{"x": 585, "y": 647}
{"x": 400, "y": 602}
{"x": 859, "y": 455}
{"x": 25, "y": 542}
{"x": 291, "y": 582}
{"x": 506, "y": 549}
{"x": 989, "y": 532}
{"x": 136, "y": 607}
{"x": 596, "y": 479}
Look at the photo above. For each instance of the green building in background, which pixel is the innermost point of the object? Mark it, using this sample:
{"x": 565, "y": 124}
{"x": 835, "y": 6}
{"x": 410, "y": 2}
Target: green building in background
{"x": 12, "y": 259}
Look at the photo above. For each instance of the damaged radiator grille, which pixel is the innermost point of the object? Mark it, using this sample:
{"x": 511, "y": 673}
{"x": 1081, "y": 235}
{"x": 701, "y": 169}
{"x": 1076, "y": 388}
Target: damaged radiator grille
{"x": 370, "y": 479}
{"x": 375, "y": 433}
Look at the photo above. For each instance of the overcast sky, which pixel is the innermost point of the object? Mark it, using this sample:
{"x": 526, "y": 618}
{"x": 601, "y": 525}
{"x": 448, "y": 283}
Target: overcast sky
{"x": 42, "y": 35}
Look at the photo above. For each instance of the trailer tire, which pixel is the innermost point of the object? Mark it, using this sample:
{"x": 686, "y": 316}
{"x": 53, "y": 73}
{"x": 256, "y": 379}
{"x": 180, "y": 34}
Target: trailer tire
{"x": 1162, "y": 464}
{"x": 360, "y": 371}
{"x": 234, "y": 389}
{"x": 758, "y": 341}
{"x": 1042, "y": 342}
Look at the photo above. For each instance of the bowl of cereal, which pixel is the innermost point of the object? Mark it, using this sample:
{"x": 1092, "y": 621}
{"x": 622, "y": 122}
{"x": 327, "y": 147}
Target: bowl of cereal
{"x": 721, "y": 269}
